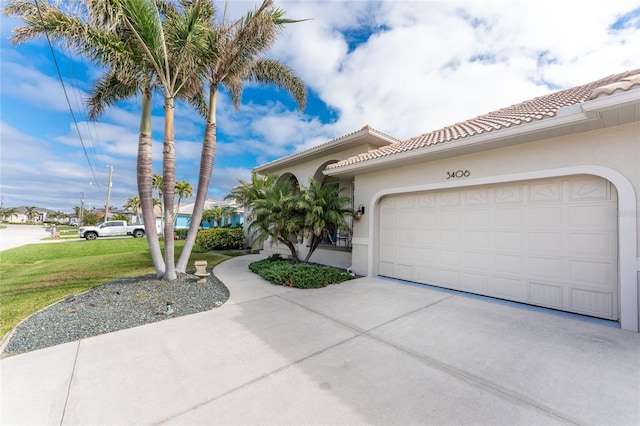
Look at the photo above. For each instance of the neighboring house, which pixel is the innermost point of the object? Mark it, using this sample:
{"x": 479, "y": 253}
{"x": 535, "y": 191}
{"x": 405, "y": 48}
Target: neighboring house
{"x": 21, "y": 215}
{"x": 534, "y": 203}
{"x": 236, "y": 217}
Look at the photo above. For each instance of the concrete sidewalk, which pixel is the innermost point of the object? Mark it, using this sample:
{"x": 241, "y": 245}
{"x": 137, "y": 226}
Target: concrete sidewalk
{"x": 368, "y": 351}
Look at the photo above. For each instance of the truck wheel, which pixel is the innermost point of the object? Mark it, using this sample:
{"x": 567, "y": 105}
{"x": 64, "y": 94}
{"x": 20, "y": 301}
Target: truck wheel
{"x": 90, "y": 236}
{"x": 138, "y": 233}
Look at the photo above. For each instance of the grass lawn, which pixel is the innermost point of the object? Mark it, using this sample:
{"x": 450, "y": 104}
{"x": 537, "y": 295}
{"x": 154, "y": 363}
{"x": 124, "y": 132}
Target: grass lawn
{"x": 37, "y": 275}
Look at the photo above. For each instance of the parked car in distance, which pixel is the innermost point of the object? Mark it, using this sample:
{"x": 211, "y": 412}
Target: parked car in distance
{"x": 111, "y": 228}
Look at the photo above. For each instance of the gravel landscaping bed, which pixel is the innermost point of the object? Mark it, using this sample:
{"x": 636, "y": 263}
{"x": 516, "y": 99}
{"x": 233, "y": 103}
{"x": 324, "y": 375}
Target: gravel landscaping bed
{"x": 116, "y": 305}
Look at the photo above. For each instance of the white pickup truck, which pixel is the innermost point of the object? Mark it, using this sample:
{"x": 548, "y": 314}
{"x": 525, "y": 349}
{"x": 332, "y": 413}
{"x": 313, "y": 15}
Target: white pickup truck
{"x": 111, "y": 228}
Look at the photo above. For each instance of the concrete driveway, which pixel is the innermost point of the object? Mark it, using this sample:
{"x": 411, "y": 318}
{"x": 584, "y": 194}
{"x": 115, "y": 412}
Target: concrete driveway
{"x": 368, "y": 351}
{"x": 18, "y": 235}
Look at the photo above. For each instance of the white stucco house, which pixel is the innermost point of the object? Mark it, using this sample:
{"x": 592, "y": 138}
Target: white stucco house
{"x": 535, "y": 203}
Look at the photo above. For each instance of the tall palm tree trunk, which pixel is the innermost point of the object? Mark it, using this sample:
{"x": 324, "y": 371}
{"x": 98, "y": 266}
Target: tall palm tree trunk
{"x": 169, "y": 187}
{"x": 206, "y": 168}
{"x": 145, "y": 185}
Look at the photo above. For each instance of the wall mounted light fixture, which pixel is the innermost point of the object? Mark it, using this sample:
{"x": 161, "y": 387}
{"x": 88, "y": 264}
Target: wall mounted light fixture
{"x": 360, "y": 209}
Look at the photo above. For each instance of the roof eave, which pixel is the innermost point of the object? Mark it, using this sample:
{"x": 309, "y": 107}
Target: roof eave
{"x": 469, "y": 144}
{"x": 336, "y": 144}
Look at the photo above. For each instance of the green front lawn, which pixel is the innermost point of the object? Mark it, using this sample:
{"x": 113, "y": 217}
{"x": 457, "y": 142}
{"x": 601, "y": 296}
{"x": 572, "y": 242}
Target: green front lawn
{"x": 37, "y": 275}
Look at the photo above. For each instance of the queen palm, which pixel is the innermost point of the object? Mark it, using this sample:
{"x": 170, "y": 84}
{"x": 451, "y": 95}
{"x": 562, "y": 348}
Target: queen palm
{"x": 183, "y": 190}
{"x": 234, "y": 57}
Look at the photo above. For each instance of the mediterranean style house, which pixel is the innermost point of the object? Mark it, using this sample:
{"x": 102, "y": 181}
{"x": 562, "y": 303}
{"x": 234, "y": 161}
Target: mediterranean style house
{"x": 534, "y": 203}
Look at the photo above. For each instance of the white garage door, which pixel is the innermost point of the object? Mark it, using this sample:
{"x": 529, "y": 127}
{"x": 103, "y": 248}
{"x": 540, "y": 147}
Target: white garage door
{"x": 550, "y": 242}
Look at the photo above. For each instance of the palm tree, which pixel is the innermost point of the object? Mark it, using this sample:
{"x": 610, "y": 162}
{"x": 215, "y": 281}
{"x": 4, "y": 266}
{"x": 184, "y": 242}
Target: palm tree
{"x": 276, "y": 215}
{"x": 172, "y": 43}
{"x": 158, "y": 184}
{"x": 31, "y": 213}
{"x": 247, "y": 192}
{"x": 216, "y": 214}
{"x": 149, "y": 44}
{"x": 183, "y": 190}
{"x": 9, "y": 213}
{"x": 233, "y": 57}
{"x": 132, "y": 204}
{"x": 325, "y": 212}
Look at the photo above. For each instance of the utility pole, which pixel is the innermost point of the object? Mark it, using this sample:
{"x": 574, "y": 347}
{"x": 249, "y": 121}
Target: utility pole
{"x": 106, "y": 208}
{"x": 81, "y": 210}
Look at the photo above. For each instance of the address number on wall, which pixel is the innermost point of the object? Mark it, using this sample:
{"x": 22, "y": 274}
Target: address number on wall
{"x": 458, "y": 174}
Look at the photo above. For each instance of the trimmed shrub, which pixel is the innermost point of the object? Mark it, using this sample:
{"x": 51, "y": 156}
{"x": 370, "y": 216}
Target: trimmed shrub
{"x": 221, "y": 238}
{"x": 301, "y": 275}
{"x": 181, "y": 234}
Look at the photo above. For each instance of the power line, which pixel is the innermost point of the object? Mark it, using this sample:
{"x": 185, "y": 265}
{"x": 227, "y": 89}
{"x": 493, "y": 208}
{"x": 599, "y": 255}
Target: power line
{"x": 55, "y": 61}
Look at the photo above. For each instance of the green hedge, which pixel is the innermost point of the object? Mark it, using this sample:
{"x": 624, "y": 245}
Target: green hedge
{"x": 221, "y": 238}
{"x": 302, "y": 275}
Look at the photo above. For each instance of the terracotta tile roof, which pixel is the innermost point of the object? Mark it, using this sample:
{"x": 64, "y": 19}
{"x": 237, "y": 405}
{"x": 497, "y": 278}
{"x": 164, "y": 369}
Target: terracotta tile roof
{"x": 535, "y": 109}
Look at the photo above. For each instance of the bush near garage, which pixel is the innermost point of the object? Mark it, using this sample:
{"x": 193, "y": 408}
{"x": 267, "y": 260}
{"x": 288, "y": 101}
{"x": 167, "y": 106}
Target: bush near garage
{"x": 221, "y": 239}
{"x": 280, "y": 271}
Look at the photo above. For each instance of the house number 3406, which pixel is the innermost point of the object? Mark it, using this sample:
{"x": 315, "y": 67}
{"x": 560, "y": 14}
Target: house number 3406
{"x": 458, "y": 174}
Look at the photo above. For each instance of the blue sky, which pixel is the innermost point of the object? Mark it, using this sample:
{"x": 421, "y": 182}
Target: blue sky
{"x": 403, "y": 67}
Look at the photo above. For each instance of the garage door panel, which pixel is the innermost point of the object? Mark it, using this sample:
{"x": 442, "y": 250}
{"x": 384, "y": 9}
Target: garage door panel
{"x": 545, "y": 192}
{"x": 449, "y": 218}
{"x": 545, "y": 267}
{"x": 426, "y": 238}
{"x": 449, "y": 199}
{"x": 508, "y": 195}
{"x": 405, "y": 271}
{"x": 449, "y": 278}
{"x": 545, "y": 242}
{"x": 479, "y": 261}
{"x": 550, "y": 242}
{"x": 592, "y": 302}
{"x": 508, "y": 288}
{"x": 476, "y": 239}
{"x": 449, "y": 238}
{"x": 426, "y": 219}
{"x": 588, "y": 217}
{"x": 477, "y": 197}
{"x": 406, "y": 217}
{"x": 508, "y": 264}
{"x": 477, "y": 218}
{"x": 449, "y": 257}
{"x": 388, "y": 252}
{"x": 508, "y": 218}
{"x": 475, "y": 283}
{"x": 407, "y": 254}
{"x": 425, "y": 274}
{"x": 545, "y": 295}
{"x": 387, "y": 268}
{"x": 589, "y": 189}
{"x": 406, "y": 237}
{"x": 549, "y": 217}
{"x": 591, "y": 273}
{"x": 592, "y": 245}
{"x": 509, "y": 241}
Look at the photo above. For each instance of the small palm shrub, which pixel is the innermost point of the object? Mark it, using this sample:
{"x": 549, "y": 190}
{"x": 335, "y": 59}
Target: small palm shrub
{"x": 301, "y": 275}
{"x": 221, "y": 239}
